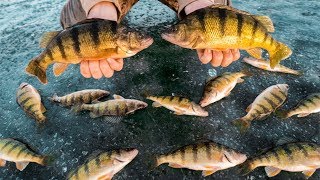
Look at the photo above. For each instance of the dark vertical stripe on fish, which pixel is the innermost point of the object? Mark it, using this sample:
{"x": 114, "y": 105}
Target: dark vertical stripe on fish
{"x": 273, "y": 105}
{"x": 311, "y": 102}
{"x": 201, "y": 16}
{"x": 277, "y": 97}
{"x": 183, "y": 154}
{"x": 13, "y": 148}
{"x": 21, "y": 151}
{"x": 302, "y": 149}
{"x": 265, "y": 110}
{"x": 271, "y": 42}
{"x": 254, "y": 30}
{"x": 95, "y": 33}
{"x": 75, "y": 38}
{"x": 240, "y": 24}
{"x": 24, "y": 101}
{"x": 6, "y": 144}
{"x": 49, "y": 53}
{"x": 97, "y": 161}
{"x": 61, "y": 47}
{"x": 195, "y": 152}
{"x": 228, "y": 80}
{"x": 275, "y": 153}
{"x": 286, "y": 148}
{"x": 23, "y": 93}
{"x": 172, "y": 98}
{"x": 284, "y": 94}
{"x": 266, "y": 35}
{"x": 208, "y": 150}
{"x": 86, "y": 168}
{"x": 222, "y": 20}
{"x": 30, "y": 107}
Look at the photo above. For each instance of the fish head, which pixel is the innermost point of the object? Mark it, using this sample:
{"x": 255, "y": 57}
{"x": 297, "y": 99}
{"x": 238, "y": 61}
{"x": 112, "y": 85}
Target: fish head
{"x": 140, "y": 105}
{"x": 283, "y": 87}
{"x": 132, "y": 41}
{"x": 134, "y": 105}
{"x": 198, "y": 110}
{"x": 233, "y": 158}
{"x": 23, "y": 85}
{"x": 125, "y": 155}
{"x": 187, "y": 33}
{"x": 208, "y": 98}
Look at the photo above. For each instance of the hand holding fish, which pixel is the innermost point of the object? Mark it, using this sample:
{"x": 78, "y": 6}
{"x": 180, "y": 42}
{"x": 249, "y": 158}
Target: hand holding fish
{"x": 106, "y": 67}
{"x": 216, "y": 58}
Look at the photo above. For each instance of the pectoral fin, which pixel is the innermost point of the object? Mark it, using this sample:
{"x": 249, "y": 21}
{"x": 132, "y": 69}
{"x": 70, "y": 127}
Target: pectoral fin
{"x": 266, "y": 22}
{"x": 240, "y": 80}
{"x": 156, "y": 104}
{"x": 47, "y": 38}
{"x": 309, "y": 173}
{"x": 2, "y": 163}
{"x": 21, "y": 165}
{"x": 174, "y": 165}
{"x": 303, "y": 115}
{"x": 255, "y": 52}
{"x": 208, "y": 173}
{"x": 272, "y": 171}
{"x": 59, "y": 68}
{"x": 43, "y": 109}
{"x": 106, "y": 177}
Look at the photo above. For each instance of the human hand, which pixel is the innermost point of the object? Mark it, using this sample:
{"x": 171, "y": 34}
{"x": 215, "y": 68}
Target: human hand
{"x": 105, "y": 67}
{"x": 216, "y": 58}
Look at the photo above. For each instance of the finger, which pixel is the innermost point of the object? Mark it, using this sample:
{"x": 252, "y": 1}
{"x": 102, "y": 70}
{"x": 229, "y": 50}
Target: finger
{"x": 227, "y": 58}
{"x": 115, "y": 64}
{"x": 106, "y": 69}
{"x": 217, "y": 58}
{"x": 95, "y": 69}
{"x": 206, "y": 56}
{"x": 84, "y": 69}
{"x": 236, "y": 54}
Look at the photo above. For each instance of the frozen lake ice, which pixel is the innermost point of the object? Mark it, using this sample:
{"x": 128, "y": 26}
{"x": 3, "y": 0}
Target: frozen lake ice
{"x": 162, "y": 69}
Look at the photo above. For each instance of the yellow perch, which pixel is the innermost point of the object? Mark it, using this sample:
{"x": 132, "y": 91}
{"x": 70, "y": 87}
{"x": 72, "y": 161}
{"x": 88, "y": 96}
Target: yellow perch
{"x": 265, "y": 104}
{"x": 93, "y": 39}
{"x": 224, "y": 27}
{"x": 306, "y": 107}
{"x": 265, "y": 65}
{"x": 180, "y": 105}
{"x": 220, "y": 87}
{"x": 292, "y": 157}
{"x": 79, "y": 97}
{"x": 208, "y": 157}
{"x": 15, "y": 151}
{"x": 30, "y": 101}
{"x": 104, "y": 166}
{"x": 117, "y": 107}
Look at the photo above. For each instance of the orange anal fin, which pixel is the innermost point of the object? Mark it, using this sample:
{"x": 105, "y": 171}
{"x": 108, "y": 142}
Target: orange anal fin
{"x": 174, "y": 165}
{"x": 303, "y": 115}
{"x": 309, "y": 173}
{"x": 272, "y": 171}
{"x": 59, "y": 68}
{"x": 212, "y": 170}
{"x": 21, "y": 165}
{"x": 2, "y": 163}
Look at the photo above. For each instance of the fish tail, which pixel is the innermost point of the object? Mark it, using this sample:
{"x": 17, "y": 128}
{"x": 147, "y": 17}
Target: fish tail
{"x": 47, "y": 160}
{"x": 246, "y": 168}
{"x": 77, "y": 108}
{"x": 54, "y": 98}
{"x": 36, "y": 69}
{"x": 279, "y": 54}
{"x": 242, "y": 124}
{"x": 153, "y": 162}
{"x": 282, "y": 114}
{"x": 246, "y": 72}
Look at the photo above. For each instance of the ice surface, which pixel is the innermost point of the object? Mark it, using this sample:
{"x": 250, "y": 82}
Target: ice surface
{"x": 162, "y": 69}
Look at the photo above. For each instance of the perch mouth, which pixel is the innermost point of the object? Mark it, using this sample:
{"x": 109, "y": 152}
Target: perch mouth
{"x": 147, "y": 42}
{"x": 23, "y": 85}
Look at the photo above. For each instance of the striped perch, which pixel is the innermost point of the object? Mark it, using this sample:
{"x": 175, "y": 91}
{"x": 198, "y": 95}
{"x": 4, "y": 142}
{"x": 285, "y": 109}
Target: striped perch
{"x": 223, "y": 28}
{"x": 180, "y": 105}
{"x": 265, "y": 104}
{"x": 15, "y": 151}
{"x": 208, "y": 157}
{"x": 220, "y": 87}
{"x": 93, "y": 39}
{"x": 80, "y": 97}
{"x": 306, "y": 107}
{"x": 117, "y": 107}
{"x": 29, "y": 100}
{"x": 104, "y": 165}
{"x": 292, "y": 157}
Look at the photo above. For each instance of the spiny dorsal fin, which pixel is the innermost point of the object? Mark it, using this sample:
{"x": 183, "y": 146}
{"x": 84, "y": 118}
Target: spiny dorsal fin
{"x": 255, "y": 52}
{"x": 115, "y": 96}
{"x": 231, "y": 9}
{"x": 266, "y": 22}
{"x": 47, "y": 38}
{"x": 88, "y": 21}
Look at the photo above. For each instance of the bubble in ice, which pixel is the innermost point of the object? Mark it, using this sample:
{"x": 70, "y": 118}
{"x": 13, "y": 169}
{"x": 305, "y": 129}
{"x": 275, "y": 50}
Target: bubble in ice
{"x": 212, "y": 72}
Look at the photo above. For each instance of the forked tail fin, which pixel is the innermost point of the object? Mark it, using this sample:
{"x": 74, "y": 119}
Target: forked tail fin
{"x": 282, "y": 114}
{"x": 242, "y": 124}
{"x": 246, "y": 168}
{"x": 48, "y": 160}
{"x": 283, "y": 52}
{"x": 34, "y": 68}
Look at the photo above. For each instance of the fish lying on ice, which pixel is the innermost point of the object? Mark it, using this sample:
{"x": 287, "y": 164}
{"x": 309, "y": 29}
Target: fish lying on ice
{"x": 79, "y": 97}
{"x": 93, "y": 39}
{"x": 224, "y": 27}
{"x": 15, "y": 151}
{"x": 265, "y": 65}
{"x": 180, "y": 105}
{"x": 265, "y": 104}
{"x": 29, "y": 100}
{"x": 104, "y": 165}
{"x": 208, "y": 157}
{"x": 220, "y": 87}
